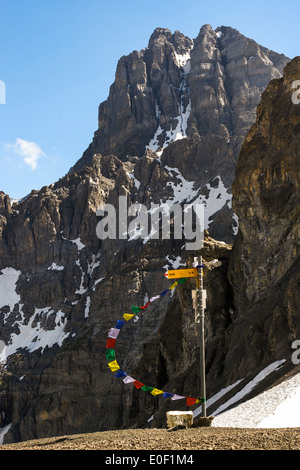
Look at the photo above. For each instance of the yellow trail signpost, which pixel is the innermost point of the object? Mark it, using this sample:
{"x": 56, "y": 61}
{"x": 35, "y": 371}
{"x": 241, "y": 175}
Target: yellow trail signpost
{"x": 182, "y": 273}
{"x": 199, "y": 304}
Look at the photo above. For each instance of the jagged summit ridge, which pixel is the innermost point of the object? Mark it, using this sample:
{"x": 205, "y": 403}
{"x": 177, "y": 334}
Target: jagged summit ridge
{"x": 151, "y": 89}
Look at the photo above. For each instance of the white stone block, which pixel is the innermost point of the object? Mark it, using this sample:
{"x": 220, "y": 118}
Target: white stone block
{"x": 179, "y": 418}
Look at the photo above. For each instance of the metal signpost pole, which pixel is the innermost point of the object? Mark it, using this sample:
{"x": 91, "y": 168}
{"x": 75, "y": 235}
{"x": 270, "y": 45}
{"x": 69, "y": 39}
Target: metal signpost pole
{"x": 200, "y": 317}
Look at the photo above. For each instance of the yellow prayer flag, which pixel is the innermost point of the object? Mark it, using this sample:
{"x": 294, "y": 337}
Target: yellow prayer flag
{"x": 173, "y": 285}
{"x": 113, "y": 366}
{"x": 128, "y": 316}
{"x": 155, "y": 391}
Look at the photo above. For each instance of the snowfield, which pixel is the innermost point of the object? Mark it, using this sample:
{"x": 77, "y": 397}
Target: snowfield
{"x": 278, "y": 407}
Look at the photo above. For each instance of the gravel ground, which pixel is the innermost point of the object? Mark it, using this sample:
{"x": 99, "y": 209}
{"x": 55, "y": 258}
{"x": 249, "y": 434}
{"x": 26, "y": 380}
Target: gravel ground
{"x": 160, "y": 439}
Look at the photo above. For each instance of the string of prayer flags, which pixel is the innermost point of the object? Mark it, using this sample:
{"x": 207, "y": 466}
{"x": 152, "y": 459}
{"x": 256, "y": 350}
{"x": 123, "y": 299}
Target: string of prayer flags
{"x": 191, "y": 401}
{"x": 120, "y": 374}
{"x": 136, "y": 309}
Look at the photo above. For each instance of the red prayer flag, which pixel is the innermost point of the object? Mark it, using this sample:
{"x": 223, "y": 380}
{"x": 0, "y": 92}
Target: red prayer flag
{"x": 190, "y": 401}
{"x": 145, "y": 306}
{"x": 138, "y": 384}
{"x": 110, "y": 343}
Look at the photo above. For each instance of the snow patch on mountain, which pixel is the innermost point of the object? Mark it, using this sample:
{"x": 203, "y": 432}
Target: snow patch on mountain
{"x": 178, "y": 129}
{"x": 8, "y": 283}
{"x": 44, "y": 329}
{"x": 216, "y": 197}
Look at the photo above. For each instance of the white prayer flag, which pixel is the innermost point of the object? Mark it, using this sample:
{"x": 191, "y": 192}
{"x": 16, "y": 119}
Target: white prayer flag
{"x": 177, "y": 397}
{"x": 113, "y": 333}
{"x": 128, "y": 380}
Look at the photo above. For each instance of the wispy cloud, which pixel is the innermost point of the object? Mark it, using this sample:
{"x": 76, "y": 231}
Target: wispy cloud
{"x": 29, "y": 151}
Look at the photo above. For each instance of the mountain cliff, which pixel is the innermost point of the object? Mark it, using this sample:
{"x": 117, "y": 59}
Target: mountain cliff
{"x": 189, "y": 103}
{"x": 170, "y": 131}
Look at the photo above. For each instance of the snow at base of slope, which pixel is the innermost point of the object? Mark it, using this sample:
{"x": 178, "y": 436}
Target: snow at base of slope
{"x": 242, "y": 393}
{"x": 3, "y": 431}
{"x": 277, "y": 407}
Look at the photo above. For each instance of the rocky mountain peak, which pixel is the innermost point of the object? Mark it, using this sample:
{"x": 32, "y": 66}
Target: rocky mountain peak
{"x": 162, "y": 36}
{"x": 157, "y": 87}
{"x": 155, "y": 105}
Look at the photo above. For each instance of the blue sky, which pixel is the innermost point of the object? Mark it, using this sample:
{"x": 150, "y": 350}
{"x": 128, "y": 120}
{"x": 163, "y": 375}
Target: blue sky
{"x": 58, "y": 59}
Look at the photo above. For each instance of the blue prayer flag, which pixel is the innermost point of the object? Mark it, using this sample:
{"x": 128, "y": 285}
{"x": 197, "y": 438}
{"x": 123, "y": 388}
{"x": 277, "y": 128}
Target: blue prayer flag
{"x": 120, "y": 374}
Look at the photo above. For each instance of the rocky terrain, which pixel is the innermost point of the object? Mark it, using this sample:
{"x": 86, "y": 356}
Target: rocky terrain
{"x": 171, "y": 131}
{"x": 160, "y": 439}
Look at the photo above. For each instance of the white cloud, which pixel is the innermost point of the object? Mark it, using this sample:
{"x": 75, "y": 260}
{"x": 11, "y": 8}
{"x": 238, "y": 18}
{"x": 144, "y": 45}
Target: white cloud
{"x": 30, "y": 151}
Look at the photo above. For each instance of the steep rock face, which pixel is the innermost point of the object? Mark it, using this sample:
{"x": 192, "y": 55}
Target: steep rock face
{"x": 264, "y": 268}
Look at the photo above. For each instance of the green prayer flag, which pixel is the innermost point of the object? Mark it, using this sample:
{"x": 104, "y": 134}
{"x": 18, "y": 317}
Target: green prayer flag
{"x": 136, "y": 309}
{"x": 147, "y": 388}
{"x": 110, "y": 354}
